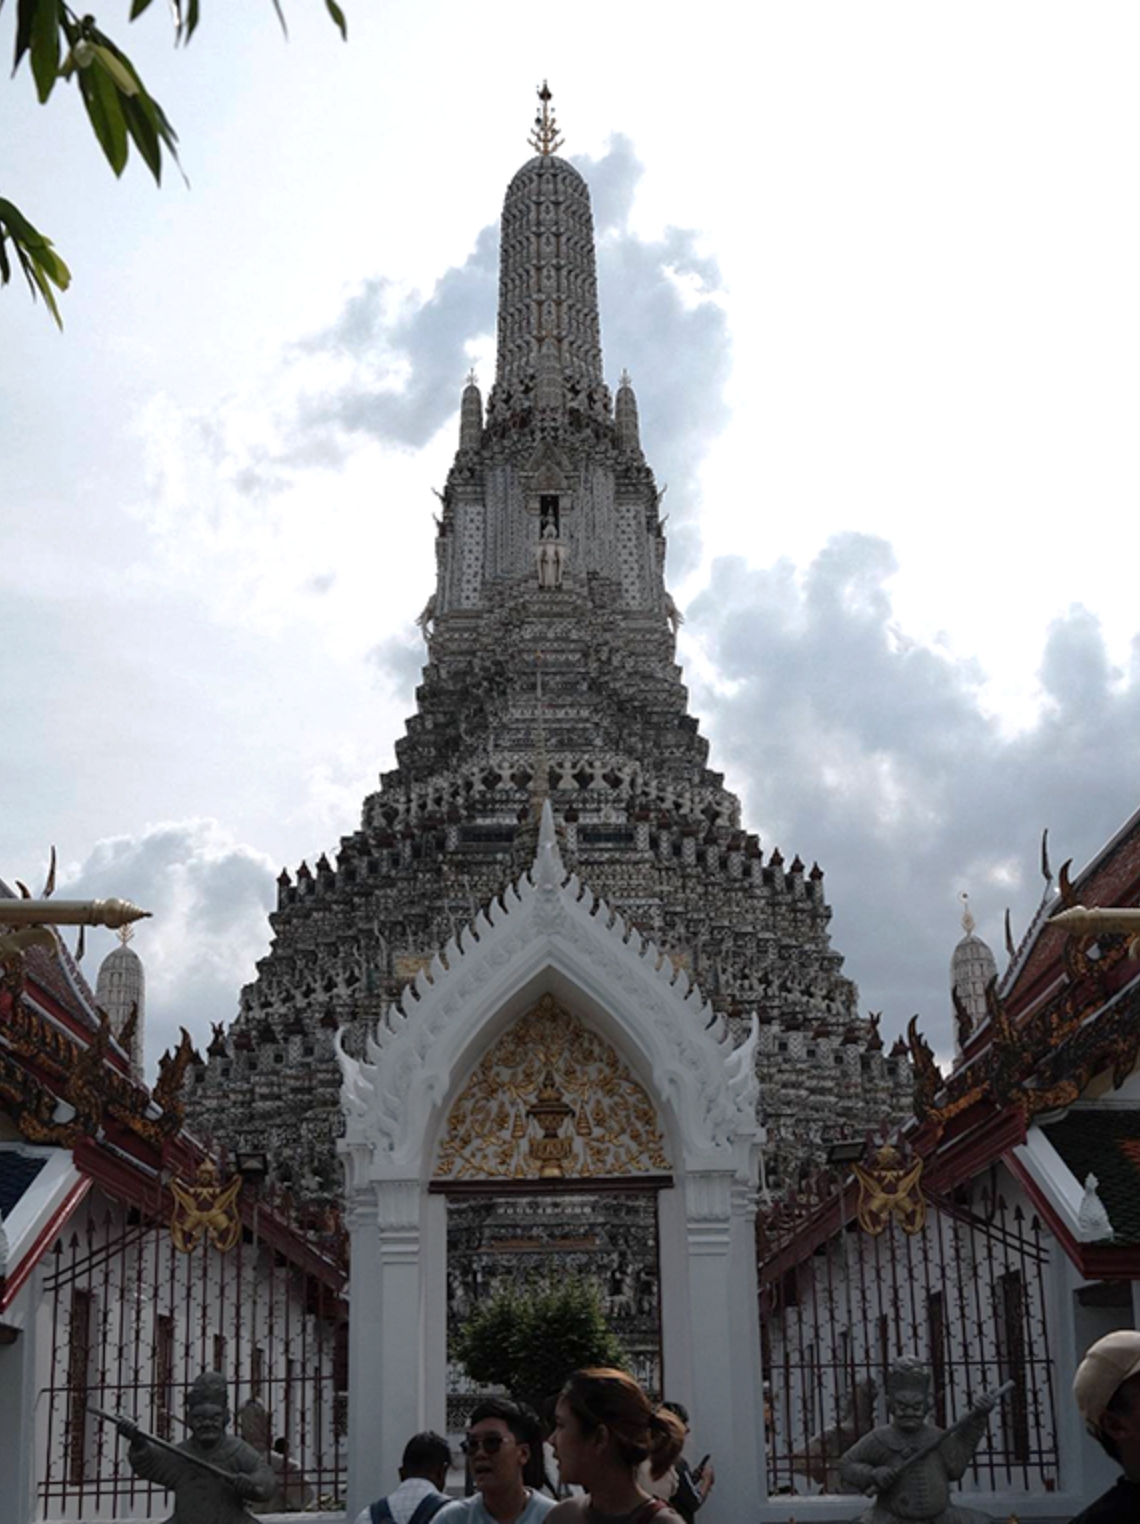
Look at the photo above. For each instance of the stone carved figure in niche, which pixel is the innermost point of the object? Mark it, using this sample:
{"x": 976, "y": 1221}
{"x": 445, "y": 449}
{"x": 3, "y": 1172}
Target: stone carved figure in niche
{"x": 212, "y": 1474}
{"x": 551, "y": 555}
{"x": 908, "y": 1463}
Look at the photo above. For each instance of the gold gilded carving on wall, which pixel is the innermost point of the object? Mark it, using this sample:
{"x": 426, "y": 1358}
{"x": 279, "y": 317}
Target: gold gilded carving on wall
{"x": 204, "y": 1207}
{"x": 890, "y": 1186}
{"x": 551, "y": 1100}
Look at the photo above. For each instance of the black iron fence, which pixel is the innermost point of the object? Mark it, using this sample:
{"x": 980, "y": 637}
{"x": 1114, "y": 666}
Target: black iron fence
{"x": 967, "y": 1293}
{"x": 132, "y": 1321}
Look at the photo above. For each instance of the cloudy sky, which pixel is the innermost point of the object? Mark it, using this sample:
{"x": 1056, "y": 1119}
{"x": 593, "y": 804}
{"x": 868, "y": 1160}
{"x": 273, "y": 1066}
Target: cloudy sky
{"x": 872, "y": 267}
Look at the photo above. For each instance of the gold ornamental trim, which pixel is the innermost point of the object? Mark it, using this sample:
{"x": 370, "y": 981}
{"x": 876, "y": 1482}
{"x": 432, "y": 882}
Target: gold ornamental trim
{"x": 551, "y": 1100}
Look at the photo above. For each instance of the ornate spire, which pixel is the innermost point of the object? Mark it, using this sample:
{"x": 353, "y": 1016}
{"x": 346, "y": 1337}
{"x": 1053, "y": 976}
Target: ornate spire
{"x": 471, "y": 414}
{"x": 545, "y": 139}
{"x": 972, "y": 969}
{"x": 548, "y": 289}
{"x": 625, "y": 416}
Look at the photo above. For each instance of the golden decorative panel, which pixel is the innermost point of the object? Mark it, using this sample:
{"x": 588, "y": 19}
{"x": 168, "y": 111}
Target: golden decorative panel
{"x": 551, "y": 1100}
{"x": 205, "y": 1208}
{"x": 890, "y": 1186}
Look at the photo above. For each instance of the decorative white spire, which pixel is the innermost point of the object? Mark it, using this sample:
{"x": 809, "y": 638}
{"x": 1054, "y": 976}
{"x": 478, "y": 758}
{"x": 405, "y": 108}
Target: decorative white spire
{"x": 120, "y": 990}
{"x": 1092, "y": 1215}
{"x": 972, "y": 969}
{"x": 548, "y": 871}
{"x": 625, "y": 417}
{"x": 471, "y": 414}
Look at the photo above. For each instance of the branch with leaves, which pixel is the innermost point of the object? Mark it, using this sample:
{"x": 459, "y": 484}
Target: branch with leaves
{"x": 61, "y": 45}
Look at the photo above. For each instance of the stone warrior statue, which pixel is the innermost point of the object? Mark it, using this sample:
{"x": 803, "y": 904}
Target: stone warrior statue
{"x": 909, "y": 1464}
{"x": 212, "y": 1474}
{"x": 550, "y": 557}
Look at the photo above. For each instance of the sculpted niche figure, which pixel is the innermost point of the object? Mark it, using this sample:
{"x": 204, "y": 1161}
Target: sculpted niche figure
{"x": 908, "y": 1463}
{"x": 551, "y": 555}
{"x": 212, "y": 1474}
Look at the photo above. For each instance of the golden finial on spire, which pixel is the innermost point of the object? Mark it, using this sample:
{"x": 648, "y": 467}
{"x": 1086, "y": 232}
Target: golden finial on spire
{"x": 545, "y": 139}
{"x": 968, "y": 922}
{"x": 125, "y": 934}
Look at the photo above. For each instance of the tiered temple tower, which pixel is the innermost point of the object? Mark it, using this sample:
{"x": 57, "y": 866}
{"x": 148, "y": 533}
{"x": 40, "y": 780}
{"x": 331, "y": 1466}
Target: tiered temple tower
{"x": 550, "y": 672}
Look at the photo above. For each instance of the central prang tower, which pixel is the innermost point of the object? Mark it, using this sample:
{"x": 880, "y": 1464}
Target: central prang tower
{"x": 550, "y": 673}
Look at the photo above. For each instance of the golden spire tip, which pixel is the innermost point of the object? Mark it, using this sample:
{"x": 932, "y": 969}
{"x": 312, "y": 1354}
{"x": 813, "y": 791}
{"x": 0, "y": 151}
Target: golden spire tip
{"x": 545, "y": 139}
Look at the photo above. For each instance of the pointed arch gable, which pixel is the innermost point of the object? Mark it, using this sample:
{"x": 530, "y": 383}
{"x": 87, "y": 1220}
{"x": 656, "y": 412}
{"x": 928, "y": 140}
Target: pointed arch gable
{"x": 548, "y": 933}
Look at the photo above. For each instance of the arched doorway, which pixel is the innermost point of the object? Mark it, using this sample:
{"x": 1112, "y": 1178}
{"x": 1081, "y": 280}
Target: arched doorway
{"x": 548, "y": 936}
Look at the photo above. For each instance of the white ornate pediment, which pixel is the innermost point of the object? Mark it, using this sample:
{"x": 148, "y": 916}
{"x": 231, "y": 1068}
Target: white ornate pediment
{"x": 548, "y": 933}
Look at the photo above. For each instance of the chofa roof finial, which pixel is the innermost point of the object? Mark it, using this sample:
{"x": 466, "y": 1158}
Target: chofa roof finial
{"x": 545, "y": 139}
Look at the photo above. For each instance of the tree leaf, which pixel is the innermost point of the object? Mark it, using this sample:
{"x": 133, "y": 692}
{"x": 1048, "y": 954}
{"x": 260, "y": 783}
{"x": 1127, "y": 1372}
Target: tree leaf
{"x": 280, "y": 16}
{"x": 337, "y": 15}
{"x": 126, "y": 80}
{"x": 41, "y": 265}
{"x": 21, "y": 229}
{"x": 46, "y": 292}
{"x": 45, "y": 46}
{"x": 142, "y": 129}
{"x": 25, "y": 18}
{"x": 102, "y": 101}
{"x": 137, "y": 8}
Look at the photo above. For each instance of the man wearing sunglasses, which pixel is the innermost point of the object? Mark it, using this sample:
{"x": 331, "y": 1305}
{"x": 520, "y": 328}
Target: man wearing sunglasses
{"x": 501, "y": 1438}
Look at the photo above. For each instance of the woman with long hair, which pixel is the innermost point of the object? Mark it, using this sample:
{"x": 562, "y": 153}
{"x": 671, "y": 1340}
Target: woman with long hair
{"x": 605, "y": 1427}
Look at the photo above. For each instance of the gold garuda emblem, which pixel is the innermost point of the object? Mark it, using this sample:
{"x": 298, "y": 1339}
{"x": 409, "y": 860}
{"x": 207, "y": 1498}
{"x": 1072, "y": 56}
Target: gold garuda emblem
{"x": 205, "y": 1208}
{"x": 889, "y": 1187}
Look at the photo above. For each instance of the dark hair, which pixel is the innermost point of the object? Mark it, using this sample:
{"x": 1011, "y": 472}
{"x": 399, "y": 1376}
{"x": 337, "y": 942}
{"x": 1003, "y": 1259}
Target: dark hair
{"x": 1121, "y": 1403}
{"x": 680, "y": 1409}
{"x": 426, "y": 1453}
{"x": 521, "y": 1420}
{"x": 640, "y": 1431}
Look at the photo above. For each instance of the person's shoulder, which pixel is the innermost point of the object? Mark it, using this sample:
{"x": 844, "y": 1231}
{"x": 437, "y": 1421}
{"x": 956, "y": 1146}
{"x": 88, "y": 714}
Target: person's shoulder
{"x": 457, "y": 1511}
{"x": 569, "y": 1511}
{"x": 539, "y": 1507}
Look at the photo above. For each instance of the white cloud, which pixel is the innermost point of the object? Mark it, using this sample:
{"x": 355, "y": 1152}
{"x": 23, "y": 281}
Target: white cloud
{"x": 877, "y": 756}
{"x": 208, "y": 895}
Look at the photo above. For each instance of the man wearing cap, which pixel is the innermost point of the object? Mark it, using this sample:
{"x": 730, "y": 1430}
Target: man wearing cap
{"x": 1107, "y": 1392}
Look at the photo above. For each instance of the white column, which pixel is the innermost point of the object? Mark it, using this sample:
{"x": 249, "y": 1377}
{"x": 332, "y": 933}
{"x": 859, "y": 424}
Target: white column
{"x": 399, "y": 1398}
{"x": 725, "y": 1340}
{"x": 434, "y": 1281}
{"x": 365, "y": 1351}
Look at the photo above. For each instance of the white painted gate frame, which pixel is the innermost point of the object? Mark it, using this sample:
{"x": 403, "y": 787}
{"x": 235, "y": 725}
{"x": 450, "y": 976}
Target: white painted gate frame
{"x": 553, "y": 936}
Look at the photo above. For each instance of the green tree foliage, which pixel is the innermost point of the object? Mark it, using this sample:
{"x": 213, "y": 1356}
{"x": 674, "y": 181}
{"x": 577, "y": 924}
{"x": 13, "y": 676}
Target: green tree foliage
{"x": 61, "y": 45}
{"x": 530, "y": 1338}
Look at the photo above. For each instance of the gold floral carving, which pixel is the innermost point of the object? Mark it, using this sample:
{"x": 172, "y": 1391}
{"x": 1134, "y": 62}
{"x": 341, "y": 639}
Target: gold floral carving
{"x": 551, "y": 1100}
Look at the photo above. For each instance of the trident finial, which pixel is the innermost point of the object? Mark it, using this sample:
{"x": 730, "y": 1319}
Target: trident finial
{"x": 545, "y": 139}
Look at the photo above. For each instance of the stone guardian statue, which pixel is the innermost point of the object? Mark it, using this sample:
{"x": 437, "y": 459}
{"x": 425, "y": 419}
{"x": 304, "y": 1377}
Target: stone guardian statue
{"x": 212, "y": 1474}
{"x": 908, "y": 1463}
